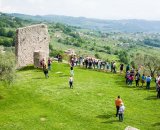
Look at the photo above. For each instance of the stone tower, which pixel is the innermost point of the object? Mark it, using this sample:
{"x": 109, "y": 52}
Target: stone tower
{"x": 29, "y": 40}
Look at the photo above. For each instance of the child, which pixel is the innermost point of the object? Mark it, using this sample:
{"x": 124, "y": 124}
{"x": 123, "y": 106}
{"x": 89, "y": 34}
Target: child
{"x": 121, "y": 112}
{"x": 71, "y": 82}
{"x": 45, "y": 70}
{"x": 49, "y": 64}
{"x": 130, "y": 79}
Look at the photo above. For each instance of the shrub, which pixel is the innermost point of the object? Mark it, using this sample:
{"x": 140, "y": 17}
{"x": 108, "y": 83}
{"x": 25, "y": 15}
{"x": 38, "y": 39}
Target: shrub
{"x": 97, "y": 56}
{"x": 54, "y": 53}
{"x": 123, "y": 56}
{"x": 7, "y": 67}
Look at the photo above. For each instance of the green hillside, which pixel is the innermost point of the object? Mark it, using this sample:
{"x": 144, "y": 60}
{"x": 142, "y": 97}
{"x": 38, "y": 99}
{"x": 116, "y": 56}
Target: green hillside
{"x": 126, "y": 25}
{"x": 36, "y": 103}
{"x": 121, "y": 47}
{"x": 8, "y": 26}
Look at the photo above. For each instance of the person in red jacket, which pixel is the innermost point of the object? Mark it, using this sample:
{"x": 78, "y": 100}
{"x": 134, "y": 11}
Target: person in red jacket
{"x": 118, "y": 103}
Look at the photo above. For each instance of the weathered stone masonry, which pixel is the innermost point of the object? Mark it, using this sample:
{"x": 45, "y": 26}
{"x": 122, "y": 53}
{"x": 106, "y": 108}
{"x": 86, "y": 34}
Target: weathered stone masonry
{"x": 29, "y": 40}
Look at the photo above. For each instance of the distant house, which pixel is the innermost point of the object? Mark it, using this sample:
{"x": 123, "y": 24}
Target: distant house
{"x": 70, "y": 52}
{"x": 58, "y": 35}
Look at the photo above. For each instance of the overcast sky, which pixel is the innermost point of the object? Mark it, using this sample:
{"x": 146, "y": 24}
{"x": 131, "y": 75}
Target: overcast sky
{"x": 102, "y": 9}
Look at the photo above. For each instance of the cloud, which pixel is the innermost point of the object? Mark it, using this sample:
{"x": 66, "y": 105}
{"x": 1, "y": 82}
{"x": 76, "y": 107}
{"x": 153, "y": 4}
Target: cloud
{"x": 104, "y": 9}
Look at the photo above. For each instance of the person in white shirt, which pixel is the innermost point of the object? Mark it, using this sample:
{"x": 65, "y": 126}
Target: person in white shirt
{"x": 121, "y": 112}
{"x": 72, "y": 71}
{"x": 71, "y": 82}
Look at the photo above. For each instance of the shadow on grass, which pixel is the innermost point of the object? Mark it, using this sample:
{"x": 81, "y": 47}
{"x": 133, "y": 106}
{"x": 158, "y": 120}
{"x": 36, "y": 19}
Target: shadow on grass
{"x": 39, "y": 78}
{"x": 111, "y": 121}
{"x": 1, "y": 97}
{"x": 156, "y": 124}
{"x": 107, "y": 116}
{"x": 137, "y": 88}
{"x": 63, "y": 88}
{"x": 151, "y": 98}
{"x": 126, "y": 86}
{"x": 66, "y": 65}
{"x": 31, "y": 67}
{"x": 64, "y": 75}
{"x": 97, "y": 70}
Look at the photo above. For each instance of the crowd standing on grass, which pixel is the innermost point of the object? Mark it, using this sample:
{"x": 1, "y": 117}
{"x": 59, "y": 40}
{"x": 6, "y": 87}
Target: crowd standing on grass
{"x": 93, "y": 63}
{"x": 132, "y": 75}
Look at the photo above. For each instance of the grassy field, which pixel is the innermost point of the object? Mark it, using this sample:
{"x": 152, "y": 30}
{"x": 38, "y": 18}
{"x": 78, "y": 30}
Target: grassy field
{"x": 36, "y": 103}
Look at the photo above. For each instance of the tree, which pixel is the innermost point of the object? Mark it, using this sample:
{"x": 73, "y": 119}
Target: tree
{"x": 123, "y": 56}
{"x": 10, "y": 34}
{"x": 2, "y": 32}
{"x": 7, "y": 67}
{"x": 54, "y": 53}
{"x": 152, "y": 63}
{"x": 7, "y": 42}
{"x": 149, "y": 62}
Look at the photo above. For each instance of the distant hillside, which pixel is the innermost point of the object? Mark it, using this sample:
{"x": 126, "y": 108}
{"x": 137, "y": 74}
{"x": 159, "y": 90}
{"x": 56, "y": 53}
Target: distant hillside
{"x": 96, "y": 24}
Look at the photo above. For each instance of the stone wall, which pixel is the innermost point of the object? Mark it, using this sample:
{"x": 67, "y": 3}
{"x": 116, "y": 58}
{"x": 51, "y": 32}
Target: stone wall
{"x": 38, "y": 56}
{"x": 29, "y": 40}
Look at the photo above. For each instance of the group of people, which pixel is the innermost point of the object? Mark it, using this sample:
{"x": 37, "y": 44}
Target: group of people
{"x": 93, "y": 63}
{"x": 131, "y": 75}
{"x": 46, "y": 66}
{"x": 90, "y": 63}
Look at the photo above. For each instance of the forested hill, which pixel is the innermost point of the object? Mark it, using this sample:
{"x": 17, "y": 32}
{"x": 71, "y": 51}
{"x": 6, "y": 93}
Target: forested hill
{"x": 97, "y": 24}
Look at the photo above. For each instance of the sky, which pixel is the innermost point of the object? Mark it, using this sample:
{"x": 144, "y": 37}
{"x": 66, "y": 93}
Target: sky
{"x": 101, "y": 9}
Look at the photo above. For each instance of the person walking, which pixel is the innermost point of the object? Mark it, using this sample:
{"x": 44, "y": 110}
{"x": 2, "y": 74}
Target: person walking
{"x": 71, "y": 82}
{"x": 127, "y": 67}
{"x": 148, "y": 81}
{"x": 127, "y": 77}
{"x": 118, "y": 102}
{"x": 121, "y": 112}
{"x": 143, "y": 79}
{"x": 137, "y": 78}
{"x": 131, "y": 78}
{"x": 114, "y": 67}
{"x": 49, "y": 64}
{"x": 158, "y": 89}
{"x": 121, "y": 68}
{"x": 71, "y": 71}
{"x": 45, "y": 70}
{"x": 157, "y": 80}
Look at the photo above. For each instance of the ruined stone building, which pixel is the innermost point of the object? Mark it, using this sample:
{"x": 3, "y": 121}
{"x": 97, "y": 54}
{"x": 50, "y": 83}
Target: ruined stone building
{"x": 32, "y": 44}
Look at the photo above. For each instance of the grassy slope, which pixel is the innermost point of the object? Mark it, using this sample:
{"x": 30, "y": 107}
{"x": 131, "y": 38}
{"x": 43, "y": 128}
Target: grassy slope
{"x": 89, "y": 106}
